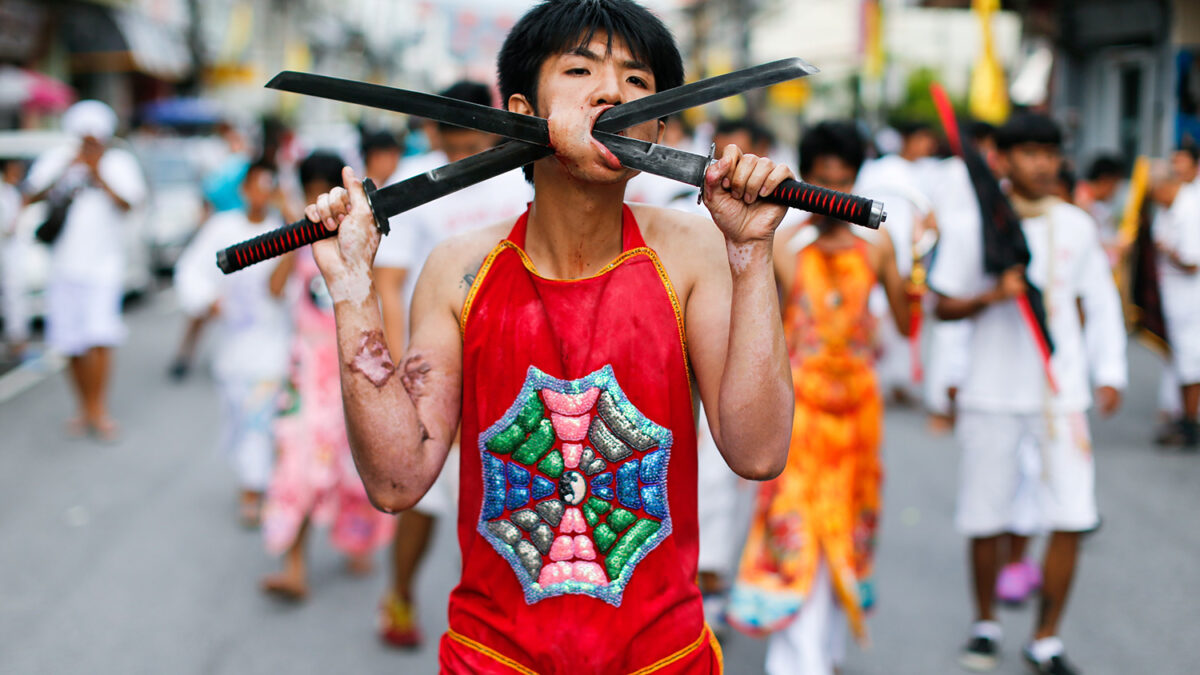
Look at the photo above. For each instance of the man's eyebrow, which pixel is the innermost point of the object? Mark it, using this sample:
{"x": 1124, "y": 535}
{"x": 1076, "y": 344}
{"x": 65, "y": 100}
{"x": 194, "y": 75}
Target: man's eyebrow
{"x": 634, "y": 64}
{"x": 584, "y": 52}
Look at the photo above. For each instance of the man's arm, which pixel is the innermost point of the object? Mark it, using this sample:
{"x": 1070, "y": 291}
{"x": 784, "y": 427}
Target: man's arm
{"x": 1011, "y": 284}
{"x": 400, "y": 418}
{"x": 1103, "y": 327}
{"x": 389, "y": 283}
{"x": 893, "y": 284}
{"x": 734, "y": 331}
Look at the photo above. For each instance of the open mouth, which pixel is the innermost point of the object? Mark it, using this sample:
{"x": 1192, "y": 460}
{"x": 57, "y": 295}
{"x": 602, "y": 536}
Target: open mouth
{"x": 609, "y": 158}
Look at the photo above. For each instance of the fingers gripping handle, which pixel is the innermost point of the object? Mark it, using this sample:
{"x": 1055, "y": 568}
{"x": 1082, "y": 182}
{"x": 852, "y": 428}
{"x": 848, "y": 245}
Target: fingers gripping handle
{"x": 287, "y": 238}
{"x": 850, "y": 208}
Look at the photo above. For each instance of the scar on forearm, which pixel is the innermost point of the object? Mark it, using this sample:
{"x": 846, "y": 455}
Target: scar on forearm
{"x": 416, "y": 369}
{"x": 371, "y": 359}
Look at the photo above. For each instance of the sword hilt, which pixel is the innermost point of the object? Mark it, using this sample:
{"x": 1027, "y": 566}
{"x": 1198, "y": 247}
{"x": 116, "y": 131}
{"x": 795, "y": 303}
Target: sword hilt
{"x": 289, "y": 238}
{"x": 824, "y": 202}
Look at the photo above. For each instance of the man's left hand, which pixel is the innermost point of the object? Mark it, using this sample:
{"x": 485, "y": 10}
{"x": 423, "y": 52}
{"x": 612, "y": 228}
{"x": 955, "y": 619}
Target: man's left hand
{"x": 1108, "y": 400}
{"x": 733, "y": 191}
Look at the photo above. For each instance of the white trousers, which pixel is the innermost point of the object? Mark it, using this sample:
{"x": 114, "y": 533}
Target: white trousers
{"x": 16, "y": 303}
{"x": 815, "y": 642}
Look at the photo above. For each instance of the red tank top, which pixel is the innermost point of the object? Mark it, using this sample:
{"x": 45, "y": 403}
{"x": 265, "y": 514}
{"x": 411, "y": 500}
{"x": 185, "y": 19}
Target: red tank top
{"x": 577, "y": 509}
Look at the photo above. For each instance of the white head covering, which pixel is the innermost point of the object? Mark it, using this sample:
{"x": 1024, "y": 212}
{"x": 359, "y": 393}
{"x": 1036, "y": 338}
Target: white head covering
{"x": 90, "y": 118}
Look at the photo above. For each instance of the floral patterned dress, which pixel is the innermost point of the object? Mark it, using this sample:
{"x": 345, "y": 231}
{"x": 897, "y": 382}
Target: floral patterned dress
{"x": 314, "y": 475}
{"x": 826, "y": 501}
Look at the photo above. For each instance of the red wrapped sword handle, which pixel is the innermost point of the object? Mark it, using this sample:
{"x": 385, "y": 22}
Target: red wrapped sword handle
{"x": 818, "y": 200}
{"x": 287, "y": 238}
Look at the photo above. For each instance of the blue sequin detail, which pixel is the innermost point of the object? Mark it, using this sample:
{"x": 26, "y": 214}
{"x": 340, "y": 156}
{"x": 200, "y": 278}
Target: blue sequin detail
{"x": 655, "y": 500}
{"x": 518, "y": 475}
{"x": 517, "y": 497}
{"x": 627, "y": 485}
{"x": 493, "y": 487}
{"x": 602, "y": 480}
{"x": 654, "y": 467}
{"x": 500, "y": 498}
{"x": 543, "y": 487}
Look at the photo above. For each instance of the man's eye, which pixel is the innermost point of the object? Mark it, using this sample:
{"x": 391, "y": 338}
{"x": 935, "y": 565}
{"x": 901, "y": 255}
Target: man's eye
{"x": 577, "y": 71}
{"x": 637, "y": 81}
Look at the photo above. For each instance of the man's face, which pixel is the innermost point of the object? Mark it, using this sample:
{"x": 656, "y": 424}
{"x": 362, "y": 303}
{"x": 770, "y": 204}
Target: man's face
{"x": 1033, "y": 169}
{"x": 920, "y": 144}
{"x": 258, "y": 188}
{"x": 574, "y": 88}
{"x": 1184, "y": 166}
{"x": 833, "y": 173}
{"x": 382, "y": 162}
{"x": 314, "y": 188}
{"x": 1105, "y": 187}
{"x": 462, "y": 143}
{"x": 740, "y": 138}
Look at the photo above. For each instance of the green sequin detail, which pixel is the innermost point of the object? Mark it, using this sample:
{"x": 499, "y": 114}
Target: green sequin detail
{"x": 536, "y": 445}
{"x": 621, "y": 519}
{"x": 593, "y": 509}
{"x": 531, "y": 414}
{"x": 504, "y": 442}
{"x": 630, "y": 542}
{"x": 604, "y": 536}
{"x": 552, "y": 465}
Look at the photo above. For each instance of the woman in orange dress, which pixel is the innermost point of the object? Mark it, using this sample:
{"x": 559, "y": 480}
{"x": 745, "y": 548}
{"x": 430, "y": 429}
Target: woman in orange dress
{"x": 808, "y": 557}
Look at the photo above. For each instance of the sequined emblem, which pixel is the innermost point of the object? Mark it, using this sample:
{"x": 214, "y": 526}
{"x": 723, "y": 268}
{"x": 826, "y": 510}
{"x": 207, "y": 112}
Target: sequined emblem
{"x": 575, "y": 486}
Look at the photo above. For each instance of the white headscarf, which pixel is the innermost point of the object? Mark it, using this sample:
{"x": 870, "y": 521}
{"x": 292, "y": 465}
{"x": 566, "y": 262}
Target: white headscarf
{"x": 90, "y": 118}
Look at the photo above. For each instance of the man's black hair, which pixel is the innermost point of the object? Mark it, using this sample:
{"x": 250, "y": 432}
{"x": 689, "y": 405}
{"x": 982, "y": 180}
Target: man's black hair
{"x": 1192, "y": 150}
{"x": 471, "y": 92}
{"x": 1106, "y": 166}
{"x": 557, "y": 26}
{"x": 378, "y": 140}
{"x": 1028, "y": 127}
{"x": 321, "y": 165}
{"x": 838, "y": 138}
{"x": 1066, "y": 176}
{"x": 978, "y": 130}
{"x": 907, "y": 128}
{"x": 260, "y": 164}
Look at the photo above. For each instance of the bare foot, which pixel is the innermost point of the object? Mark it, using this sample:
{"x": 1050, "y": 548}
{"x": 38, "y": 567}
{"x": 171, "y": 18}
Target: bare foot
{"x": 76, "y": 427}
{"x": 106, "y": 430}
{"x": 250, "y": 508}
{"x": 286, "y": 586}
{"x": 940, "y": 425}
{"x": 359, "y": 565}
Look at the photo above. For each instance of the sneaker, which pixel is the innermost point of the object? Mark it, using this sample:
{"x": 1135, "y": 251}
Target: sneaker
{"x": 981, "y": 654}
{"x": 1054, "y": 665}
{"x": 398, "y": 623}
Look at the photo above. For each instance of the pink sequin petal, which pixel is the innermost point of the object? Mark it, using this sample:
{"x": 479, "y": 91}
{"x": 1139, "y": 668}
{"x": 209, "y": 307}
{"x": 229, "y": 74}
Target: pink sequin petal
{"x": 571, "y": 453}
{"x": 584, "y": 548}
{"x": 570, "y": 404}
{"x": 555, "y": 573}
{"x": 589, "y": 572}
{"x": 571, "y": 428}
{"x": 561, "y": 549}
{"x": 572, "y": 521}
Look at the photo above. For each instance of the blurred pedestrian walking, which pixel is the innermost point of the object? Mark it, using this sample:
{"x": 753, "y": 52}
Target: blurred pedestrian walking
{"x": 95, "y": 187}
{"x": 12, "y": 263}
{"x": 252, "y": 344}
{"x": 807, "y": 566}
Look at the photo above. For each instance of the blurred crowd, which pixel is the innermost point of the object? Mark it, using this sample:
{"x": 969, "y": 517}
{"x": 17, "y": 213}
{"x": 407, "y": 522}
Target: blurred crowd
{"x": 1113, "y": 246}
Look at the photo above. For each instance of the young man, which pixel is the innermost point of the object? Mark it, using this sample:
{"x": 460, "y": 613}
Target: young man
{"x": 83, "y": 297}
{"x": 1177, "y": 236}
{"x": 565, "y": 351}
{"x": 806, "y": 569}
{"x": 400, "y": 257}
{"x": 1006, "y": 399}
{"x": 252, "y": 351}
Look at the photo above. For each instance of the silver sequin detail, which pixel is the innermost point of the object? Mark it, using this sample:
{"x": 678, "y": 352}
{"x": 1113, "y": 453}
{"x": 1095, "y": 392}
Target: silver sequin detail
{"x": 591, "y": 464}
{"x": 542, "y": 537}
{"x": 526, "y": 518}
{"x": 551, "y": 510}
{"x": 606, "y": 442}
{"x": 506, "y": 531}
{"x": 530, "y": 559}
{"x": 620, "y": 424}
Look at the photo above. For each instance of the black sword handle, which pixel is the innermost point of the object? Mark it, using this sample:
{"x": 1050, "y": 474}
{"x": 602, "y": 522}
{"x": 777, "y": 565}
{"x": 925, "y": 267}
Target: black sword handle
{"x": 288, "y": 238}
{"x": 818, "y": 200}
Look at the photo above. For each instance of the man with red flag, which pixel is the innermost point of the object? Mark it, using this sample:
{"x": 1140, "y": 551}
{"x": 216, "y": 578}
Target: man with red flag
{"x": 1017, "y": 388}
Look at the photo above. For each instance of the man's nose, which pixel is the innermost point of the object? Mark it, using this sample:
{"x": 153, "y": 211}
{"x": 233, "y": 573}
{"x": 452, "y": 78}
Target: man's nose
{"x": 608, "y": 89}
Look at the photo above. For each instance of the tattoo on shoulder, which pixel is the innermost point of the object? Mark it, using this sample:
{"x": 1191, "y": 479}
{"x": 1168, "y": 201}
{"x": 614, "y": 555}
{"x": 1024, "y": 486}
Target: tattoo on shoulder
{"x": 468, "y": 278}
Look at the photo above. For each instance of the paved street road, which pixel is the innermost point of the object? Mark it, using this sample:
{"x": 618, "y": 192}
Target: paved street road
{"x": 127, "y": 558}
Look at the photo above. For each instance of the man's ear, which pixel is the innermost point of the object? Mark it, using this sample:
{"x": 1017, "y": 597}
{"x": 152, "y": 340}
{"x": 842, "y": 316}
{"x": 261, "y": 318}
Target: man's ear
{"x": 519, "y": 104}
{"x": 662, "y": 129}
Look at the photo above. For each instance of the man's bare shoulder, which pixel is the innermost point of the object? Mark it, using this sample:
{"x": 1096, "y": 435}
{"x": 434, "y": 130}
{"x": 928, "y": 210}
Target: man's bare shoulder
{"x": 680, "y": 235}
{"x": 454, "y": 262}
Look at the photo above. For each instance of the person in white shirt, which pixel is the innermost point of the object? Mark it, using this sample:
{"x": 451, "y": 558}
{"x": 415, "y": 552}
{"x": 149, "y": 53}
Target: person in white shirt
{"x": 83, "y": 305}
{"x": 401, "y": 255}
{"x": 252, "y": 343}
{"x": 1006, "y": 398}
{"x": 1177, "y": 236}
{"x": 12, "y": 284}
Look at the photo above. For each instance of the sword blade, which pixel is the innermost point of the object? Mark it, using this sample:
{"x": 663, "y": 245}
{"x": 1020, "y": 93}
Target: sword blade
{"x": 438, "y": 108}
{"x": 701, "y": 92}
{"x": 661, "y": 160}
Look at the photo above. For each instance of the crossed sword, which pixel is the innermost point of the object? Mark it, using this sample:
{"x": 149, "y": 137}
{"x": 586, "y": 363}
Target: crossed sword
{"x": 529, "y": 141}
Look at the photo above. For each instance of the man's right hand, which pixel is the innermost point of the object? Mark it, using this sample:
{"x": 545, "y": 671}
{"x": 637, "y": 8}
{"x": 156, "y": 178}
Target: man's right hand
{"x": 1011, "y": 284}
{"x": 345, "y": 260}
